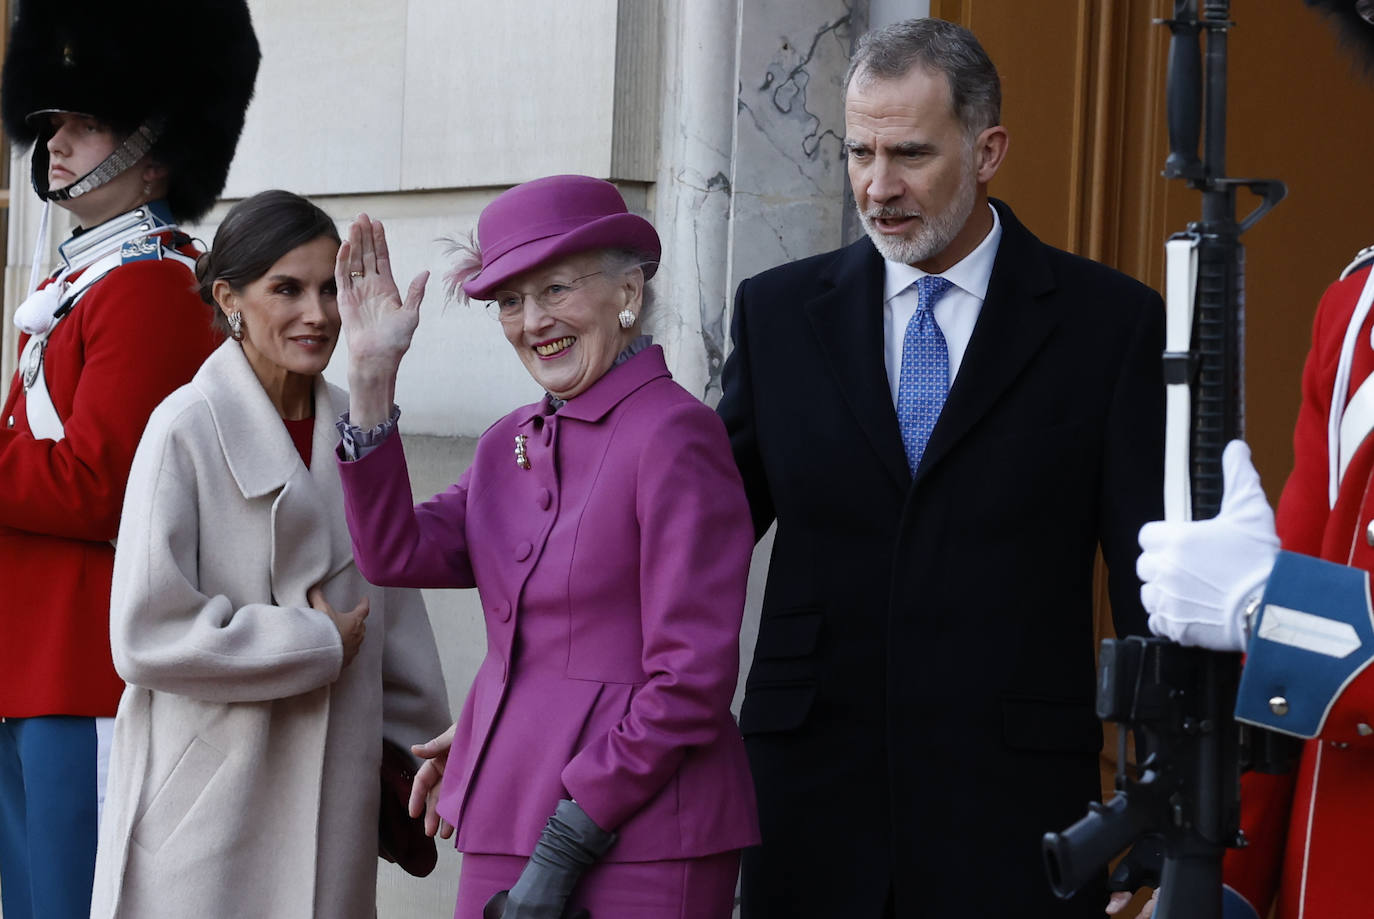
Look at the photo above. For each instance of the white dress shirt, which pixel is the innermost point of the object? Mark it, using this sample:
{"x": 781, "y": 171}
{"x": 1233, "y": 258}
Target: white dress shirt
{"x": 955, "y": 313}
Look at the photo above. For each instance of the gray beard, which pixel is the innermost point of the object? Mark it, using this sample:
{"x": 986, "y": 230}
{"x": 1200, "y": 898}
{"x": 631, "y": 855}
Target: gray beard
{"x": 934, "y": 234}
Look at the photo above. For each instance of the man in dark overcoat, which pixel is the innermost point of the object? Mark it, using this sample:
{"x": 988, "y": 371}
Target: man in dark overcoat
{"x": 945, "y": 420}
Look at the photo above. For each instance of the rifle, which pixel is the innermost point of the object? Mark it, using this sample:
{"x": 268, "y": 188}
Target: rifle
{"x": 1183, "y": 809}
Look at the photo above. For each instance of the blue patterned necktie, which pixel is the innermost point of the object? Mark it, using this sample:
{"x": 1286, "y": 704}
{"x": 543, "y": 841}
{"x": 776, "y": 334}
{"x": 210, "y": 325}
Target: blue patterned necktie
{"x": 924, "y": 380}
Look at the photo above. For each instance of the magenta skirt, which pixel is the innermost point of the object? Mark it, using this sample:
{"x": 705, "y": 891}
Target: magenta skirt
{"x": 694, "y": 888}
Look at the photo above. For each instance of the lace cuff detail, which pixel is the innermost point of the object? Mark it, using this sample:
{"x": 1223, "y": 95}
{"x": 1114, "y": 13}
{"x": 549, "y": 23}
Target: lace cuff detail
{"x": 355, "y": 443}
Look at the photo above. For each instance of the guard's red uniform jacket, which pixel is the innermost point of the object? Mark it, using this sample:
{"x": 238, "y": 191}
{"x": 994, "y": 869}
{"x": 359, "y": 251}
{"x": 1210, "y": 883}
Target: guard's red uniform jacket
{"x": 1312, "y": 835}
{"x": 137, "y": 334}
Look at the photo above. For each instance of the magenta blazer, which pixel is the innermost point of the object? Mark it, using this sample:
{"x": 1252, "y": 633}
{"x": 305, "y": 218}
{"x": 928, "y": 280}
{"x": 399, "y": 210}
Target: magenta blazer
{"x": 612, "y": 576}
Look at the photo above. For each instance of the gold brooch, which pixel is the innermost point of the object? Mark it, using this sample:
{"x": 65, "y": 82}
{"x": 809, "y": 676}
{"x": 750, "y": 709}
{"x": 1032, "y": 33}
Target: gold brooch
{"x": 521, "y": 458}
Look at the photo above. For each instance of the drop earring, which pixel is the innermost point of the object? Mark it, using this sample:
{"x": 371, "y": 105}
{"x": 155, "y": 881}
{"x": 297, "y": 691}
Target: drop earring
{"x": 236, "y": 325}
{"x": 627, "y": 318}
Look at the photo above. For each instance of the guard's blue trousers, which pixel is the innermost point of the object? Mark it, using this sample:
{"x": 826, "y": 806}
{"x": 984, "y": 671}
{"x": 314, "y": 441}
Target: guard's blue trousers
{"x": 51, "y": 782}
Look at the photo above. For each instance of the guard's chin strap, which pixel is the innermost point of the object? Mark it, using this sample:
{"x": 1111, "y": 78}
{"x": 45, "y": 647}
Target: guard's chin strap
{"x": 134, "y": 148}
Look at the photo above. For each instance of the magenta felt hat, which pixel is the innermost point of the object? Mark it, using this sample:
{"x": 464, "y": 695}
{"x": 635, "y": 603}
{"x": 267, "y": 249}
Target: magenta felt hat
{"x": 549, "y": 218}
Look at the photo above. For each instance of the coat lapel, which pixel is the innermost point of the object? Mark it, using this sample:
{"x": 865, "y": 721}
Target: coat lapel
{"x": 613, "y": 387}
{"x": 847, "y": 317}
{"x": 1012, "y": 325}
{"x": 309, "y": 533}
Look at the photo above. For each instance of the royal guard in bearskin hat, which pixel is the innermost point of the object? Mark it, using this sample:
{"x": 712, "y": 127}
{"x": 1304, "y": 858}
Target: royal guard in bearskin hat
{"x": 1302, "y": 614}
{"x": 133, "y": 114}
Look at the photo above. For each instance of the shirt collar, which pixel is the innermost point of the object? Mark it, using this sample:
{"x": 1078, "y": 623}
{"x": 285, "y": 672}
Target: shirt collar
{"x": 970, "y": 274}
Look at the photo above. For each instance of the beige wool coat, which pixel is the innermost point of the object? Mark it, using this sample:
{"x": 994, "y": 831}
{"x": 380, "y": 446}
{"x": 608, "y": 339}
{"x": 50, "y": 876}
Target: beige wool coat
{"x": 244, "y": 772}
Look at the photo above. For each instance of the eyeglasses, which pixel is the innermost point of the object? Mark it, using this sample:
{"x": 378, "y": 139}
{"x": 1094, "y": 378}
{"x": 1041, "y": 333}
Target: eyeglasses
{"x": 509, "y": 305}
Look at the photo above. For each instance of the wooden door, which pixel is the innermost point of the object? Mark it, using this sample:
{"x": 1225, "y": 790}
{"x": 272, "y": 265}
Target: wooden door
{"x": 1084, "y": 105}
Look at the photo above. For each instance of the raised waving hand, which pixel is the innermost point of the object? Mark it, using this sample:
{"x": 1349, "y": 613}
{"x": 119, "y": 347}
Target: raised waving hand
{"x": 378, "y": 324}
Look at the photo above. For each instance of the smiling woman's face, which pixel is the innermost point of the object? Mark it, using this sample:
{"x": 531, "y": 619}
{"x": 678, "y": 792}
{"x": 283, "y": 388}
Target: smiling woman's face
{"x": 568, "y": 346}
{"x": 291, "y": 313}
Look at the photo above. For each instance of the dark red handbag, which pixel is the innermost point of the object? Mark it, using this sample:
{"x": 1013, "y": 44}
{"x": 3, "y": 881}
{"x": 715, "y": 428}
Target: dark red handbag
{"x": 400, "y": 837}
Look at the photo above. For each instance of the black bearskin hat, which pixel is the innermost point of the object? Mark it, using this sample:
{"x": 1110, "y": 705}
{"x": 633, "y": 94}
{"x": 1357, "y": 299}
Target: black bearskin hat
{"x": 1355, "y": 22}
{"x": 185, "y": 67}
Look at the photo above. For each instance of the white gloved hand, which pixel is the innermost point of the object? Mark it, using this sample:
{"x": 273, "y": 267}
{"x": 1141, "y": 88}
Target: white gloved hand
{"x": 1199, "y": 574}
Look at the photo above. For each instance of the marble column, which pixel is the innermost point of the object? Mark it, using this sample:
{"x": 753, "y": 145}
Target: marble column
{"x": 789, "y": 177}
{"x": 691, "y": 194}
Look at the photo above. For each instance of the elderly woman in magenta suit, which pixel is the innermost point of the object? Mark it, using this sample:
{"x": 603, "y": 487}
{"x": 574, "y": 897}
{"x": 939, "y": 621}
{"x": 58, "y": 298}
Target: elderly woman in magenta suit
{"x": 263, "y": 670}
{"x": 595, "y": 765}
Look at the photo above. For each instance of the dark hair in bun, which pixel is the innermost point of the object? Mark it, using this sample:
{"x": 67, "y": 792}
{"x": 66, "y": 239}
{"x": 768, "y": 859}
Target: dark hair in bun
{"x": 253, "y": 236}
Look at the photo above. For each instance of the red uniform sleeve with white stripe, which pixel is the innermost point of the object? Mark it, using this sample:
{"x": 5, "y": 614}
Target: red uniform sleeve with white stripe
{"x": 1301, "y": 520}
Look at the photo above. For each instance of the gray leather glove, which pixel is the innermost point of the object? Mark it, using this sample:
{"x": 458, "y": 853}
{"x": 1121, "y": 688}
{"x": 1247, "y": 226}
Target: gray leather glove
{"x": 570, "y": 844}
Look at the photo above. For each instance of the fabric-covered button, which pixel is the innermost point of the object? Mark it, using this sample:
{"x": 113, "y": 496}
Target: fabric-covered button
{"x": 522, "y": 551}
{"x": 501, "y": 611}
{"x": 543, "y": 499}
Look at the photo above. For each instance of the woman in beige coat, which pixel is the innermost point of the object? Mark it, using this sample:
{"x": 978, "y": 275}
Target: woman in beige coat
{"x": 244, "y": 773}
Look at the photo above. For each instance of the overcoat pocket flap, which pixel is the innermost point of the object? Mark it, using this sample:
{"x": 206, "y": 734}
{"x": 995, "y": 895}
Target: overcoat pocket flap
{"x": 178, "y": 794}
{"x": 789, "y": 633}
{"x": 768, "y": 709}
{"x": 1054, "y": 726}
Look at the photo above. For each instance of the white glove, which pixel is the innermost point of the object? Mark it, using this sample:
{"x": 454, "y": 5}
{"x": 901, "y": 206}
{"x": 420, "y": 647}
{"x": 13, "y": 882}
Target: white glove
{"x": 1199, "y": 574}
